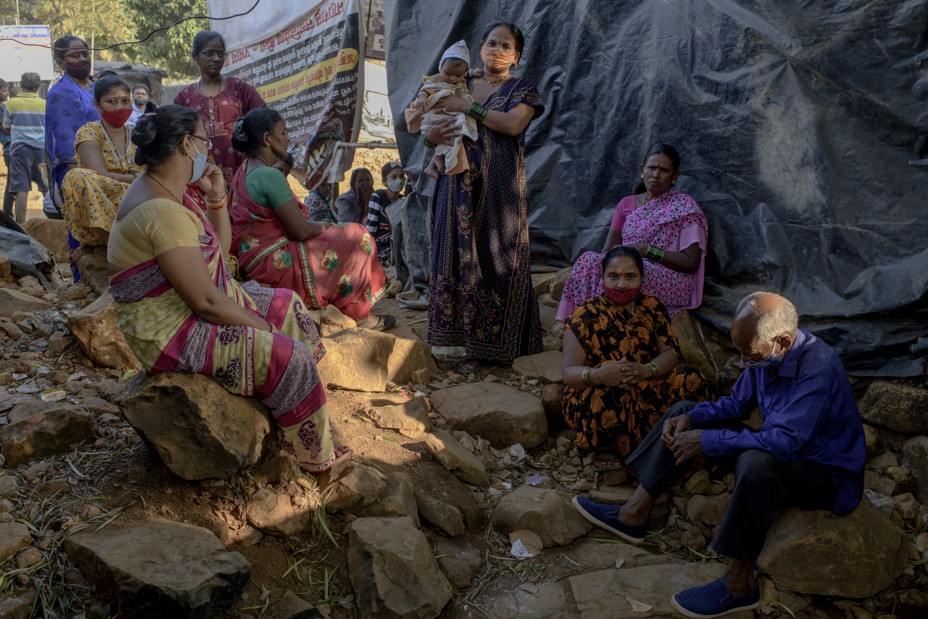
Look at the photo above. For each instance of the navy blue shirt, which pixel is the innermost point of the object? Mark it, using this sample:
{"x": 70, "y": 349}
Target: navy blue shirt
{"x": 809, "y": 413}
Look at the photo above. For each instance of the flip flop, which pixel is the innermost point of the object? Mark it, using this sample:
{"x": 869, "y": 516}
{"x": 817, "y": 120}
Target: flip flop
{"x": 471, "y": 366}
{"x": 605, "y": 460}
{"x": 385, "y": 322}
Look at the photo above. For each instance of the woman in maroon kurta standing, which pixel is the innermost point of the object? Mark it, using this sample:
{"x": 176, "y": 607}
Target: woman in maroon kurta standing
{"x": 219, "y": 100}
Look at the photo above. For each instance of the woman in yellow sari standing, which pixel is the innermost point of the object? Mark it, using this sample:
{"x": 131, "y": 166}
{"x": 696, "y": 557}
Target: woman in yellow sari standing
{"x": 179, "y": 307}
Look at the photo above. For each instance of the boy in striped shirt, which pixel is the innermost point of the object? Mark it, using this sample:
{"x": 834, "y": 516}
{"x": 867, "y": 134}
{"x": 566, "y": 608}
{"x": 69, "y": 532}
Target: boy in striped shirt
{"x": 24, "y": 120}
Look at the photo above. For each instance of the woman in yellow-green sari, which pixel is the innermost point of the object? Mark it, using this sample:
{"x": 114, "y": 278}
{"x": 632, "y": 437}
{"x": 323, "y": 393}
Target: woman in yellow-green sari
{"x": 179, "y": 307}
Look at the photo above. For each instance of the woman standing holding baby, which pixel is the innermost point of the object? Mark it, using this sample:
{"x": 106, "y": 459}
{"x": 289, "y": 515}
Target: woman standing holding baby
{"x": 480, "y": 292}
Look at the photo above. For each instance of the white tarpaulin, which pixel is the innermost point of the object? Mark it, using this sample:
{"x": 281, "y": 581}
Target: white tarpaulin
{"x": 19, "y": 59}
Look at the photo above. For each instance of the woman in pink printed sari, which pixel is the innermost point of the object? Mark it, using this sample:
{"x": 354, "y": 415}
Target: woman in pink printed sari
{"x": 667, "y": 228}
{"x": 277, "y": 244}
{"x": 178, "y": 306}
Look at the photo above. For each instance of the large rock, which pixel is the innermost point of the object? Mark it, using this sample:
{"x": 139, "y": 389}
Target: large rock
{"x": 546, "y": 513}
{"x": 546, "y": 366}
{"x": 397, "y": 499}
{"x": 14, "y": 536}
{"x": 352, "y": 485}
{"x": 707, "y": 510}
{"x": 898, "y": 407}
{"x": 274, "y": 513}
{"x": 443, "y": 515}
{"x": 409, "y": 418}
{"x": 18, "y": 606}
{"x": 541, "y": 282}
{"x": 393, "y": 572}
{"x": 409, "y": 355}
{"x": 14, "y": 301}
{"x": 52, "y": 431}
{"x": 98, "y": 335}
{"x": 445, "y": 501}
{"x": 460, "y": 558}
{"x": 546, "y": 600}
{"x": 499, "y": 413}
{"x": 813, "y": 551}
{"x": 557, "y": 284}
{"x": 200, "y": 430}
{"x": 692, "y": 345}
{"x": 365, "y": 360}
{"x": 92, "y": 265}
{"x": 52, "y": 233}
{"x": 915, "y": 459}
{"x": 356, "y": 359}
{"x": 632, "y": 593}
{"x": 453, "y": 456}
{"x": 158, "y": 568}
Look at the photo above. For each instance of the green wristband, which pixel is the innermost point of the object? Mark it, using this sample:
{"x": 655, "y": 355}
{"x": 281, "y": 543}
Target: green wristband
{"x": 477, "y": 111}
{"x": 428, "y": 144}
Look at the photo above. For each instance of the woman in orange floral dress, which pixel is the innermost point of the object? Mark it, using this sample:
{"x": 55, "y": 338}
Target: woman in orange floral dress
{"x": 622, "y": 364}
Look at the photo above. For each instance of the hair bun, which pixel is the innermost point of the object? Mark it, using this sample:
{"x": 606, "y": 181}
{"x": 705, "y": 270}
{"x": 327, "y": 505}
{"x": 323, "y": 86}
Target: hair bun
{"x": 238, "y": 130}
{"x": 146, "y": 130}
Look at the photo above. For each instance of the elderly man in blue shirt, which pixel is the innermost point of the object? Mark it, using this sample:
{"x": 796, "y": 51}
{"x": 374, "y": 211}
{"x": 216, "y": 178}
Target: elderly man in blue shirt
{"x": 809, "y": 453}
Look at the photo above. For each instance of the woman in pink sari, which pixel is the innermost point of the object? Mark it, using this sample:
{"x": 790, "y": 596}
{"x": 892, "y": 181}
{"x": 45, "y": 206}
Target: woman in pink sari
{"x": 276, "y": 242}
{"x": 178, "y": 306}
{"x": 667, "y": 228}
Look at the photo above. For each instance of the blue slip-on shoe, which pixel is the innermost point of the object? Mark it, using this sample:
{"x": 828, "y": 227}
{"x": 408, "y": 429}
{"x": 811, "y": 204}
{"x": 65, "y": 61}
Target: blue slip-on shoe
{"x": 607, "y": 517}
{"x": 713, "y": 600}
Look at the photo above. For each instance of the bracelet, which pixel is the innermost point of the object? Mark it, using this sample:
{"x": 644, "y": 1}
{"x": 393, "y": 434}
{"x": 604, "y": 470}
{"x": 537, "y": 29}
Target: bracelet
{"x": 655, "y": 254}
{"x": 654, "y": 368}
{"x": 428, "y": 144}
{"x": 216, "y": 205}
{"x": 477, "y": 111}
{"x": 586, "y": 377}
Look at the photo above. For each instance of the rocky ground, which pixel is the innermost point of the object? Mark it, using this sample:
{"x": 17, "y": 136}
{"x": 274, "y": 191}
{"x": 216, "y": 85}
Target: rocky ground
{"x": 455, "y": 504}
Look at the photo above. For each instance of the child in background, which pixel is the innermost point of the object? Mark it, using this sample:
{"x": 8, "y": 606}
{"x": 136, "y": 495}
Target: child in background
{"x": 427, "y": 110}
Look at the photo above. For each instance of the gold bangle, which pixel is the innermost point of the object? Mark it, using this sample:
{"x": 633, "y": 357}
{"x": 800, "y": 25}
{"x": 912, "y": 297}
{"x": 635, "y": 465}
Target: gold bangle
{"x": 216, "y": 205}
{"x": 586, "y": 377}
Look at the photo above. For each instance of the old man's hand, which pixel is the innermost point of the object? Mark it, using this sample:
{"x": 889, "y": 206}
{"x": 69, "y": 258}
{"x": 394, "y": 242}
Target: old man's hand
{"x": 686, "y": 445}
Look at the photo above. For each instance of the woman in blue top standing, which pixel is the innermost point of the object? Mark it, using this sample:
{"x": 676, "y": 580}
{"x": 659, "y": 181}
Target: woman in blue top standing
{"x": 68, "y": 107}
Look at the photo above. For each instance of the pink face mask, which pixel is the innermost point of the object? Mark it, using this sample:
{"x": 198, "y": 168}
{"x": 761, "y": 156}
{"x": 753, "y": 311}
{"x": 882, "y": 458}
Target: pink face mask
{"x": 621, "y": 297}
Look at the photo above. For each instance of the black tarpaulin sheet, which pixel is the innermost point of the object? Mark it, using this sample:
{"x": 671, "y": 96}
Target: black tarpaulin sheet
{"x": 797, "y": 123}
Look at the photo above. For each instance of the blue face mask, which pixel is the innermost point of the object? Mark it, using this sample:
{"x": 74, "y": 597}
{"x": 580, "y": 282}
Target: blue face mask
{"x": 770, "y": 361}
{"x": 199, "y": 164}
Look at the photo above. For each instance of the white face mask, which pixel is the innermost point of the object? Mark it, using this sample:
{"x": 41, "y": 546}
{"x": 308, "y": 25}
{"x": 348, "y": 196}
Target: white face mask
{"x": 770, "y": 361}
{"x": 396, "y": 184}
{"x": 199, "y": 164}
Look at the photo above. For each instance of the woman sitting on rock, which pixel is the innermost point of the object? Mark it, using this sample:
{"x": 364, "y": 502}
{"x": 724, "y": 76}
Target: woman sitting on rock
{"x": 666, "y": 226}
{"x": 622, "y": 364}
{"x": 277, "y": 244}
{"x": 105, "y": 167}
{"x": 179, "y": 307}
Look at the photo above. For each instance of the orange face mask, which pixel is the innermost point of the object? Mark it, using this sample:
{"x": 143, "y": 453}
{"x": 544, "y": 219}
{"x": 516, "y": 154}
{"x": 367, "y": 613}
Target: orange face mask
{"x": 497, "y": 59}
